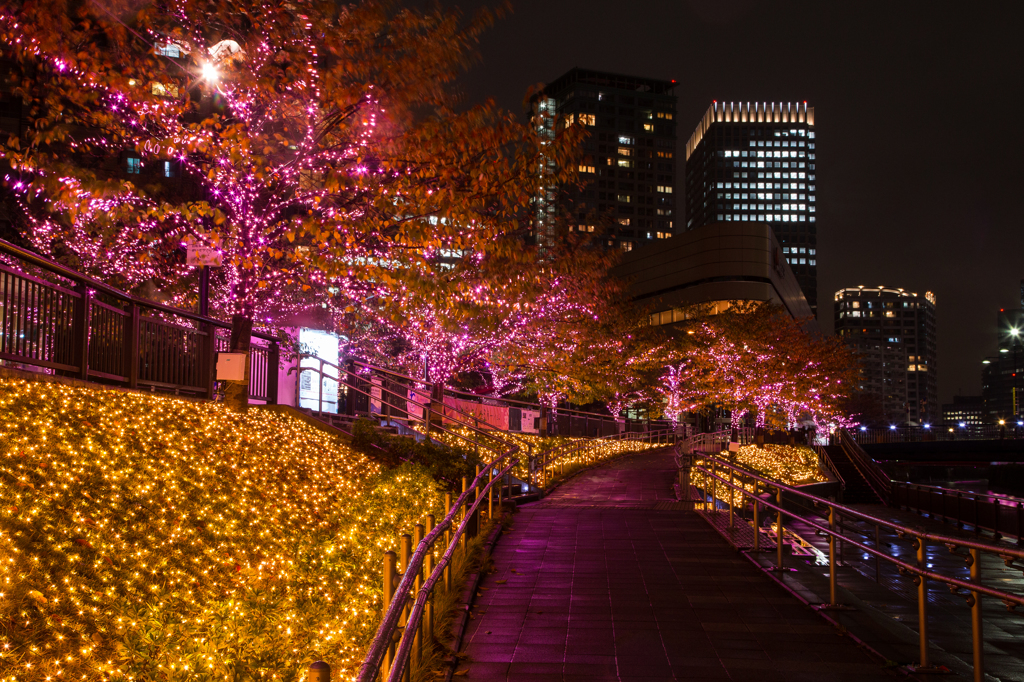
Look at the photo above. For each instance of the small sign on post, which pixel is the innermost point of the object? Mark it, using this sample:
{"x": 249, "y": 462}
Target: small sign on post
{"x": 203, "y": 255}
{"x": 231, "y": 367}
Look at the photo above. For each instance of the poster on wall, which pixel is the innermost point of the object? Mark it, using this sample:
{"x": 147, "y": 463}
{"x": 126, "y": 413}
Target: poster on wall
{"x": 324, "y": 346}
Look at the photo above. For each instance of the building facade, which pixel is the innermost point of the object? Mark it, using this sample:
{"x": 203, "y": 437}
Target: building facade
{"x": 714, "y": 265}
{"x": 628, "y": 171}
{"x": 966, "y": 411}
{"x": 755, "y": 162}
{"x": 1001, "y": 382}
{"x": 893, "y": 332}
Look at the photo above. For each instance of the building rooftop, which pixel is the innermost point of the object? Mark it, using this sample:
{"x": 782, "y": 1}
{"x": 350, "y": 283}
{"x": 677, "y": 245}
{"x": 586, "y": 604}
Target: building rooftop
{"x": 610, "y": 80}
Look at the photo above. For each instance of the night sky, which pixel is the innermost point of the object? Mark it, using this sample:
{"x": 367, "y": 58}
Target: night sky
{"x": 918, "y": 112}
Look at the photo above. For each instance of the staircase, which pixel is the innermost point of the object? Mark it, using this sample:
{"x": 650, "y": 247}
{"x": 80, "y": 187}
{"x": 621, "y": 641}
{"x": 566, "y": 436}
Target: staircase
{"x": 857, "y": 490}
{"x": 344, "y": 422}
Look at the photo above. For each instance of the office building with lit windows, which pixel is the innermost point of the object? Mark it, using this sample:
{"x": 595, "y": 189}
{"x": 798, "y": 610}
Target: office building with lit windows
{"x": 893, "y": 333}
{"x": 1002, "y": 375}
{"x": 965, "y": 412}
{"x": 628, "y": 170}
{"x": 755, "y": 162}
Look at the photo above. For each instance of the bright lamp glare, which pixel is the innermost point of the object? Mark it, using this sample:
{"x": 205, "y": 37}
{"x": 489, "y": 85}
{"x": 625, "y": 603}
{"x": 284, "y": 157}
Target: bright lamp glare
{"x": 927, "y": 426}
{"x": 1014, "y": 332}
{"x": 892, "y": 427}
{"x": 962, "y": 425}
{"x": 210, "y": 72}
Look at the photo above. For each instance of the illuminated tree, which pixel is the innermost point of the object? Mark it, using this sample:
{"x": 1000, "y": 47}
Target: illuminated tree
{"x": 757, "y": 359}
{"x": 316, "y": 147}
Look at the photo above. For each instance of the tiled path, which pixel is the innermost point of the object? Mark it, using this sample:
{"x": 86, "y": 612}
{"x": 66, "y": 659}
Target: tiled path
{"x": 606, "y": 579}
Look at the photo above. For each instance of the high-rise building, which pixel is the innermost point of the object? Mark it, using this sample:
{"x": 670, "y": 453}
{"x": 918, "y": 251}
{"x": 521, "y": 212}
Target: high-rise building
{"x": 965, "y": 411}
{"x": 628, "y": 168}
{"x": 893, "y": 333}
{"x": 1002, "y": 383}
{"x": 756, "y": 162}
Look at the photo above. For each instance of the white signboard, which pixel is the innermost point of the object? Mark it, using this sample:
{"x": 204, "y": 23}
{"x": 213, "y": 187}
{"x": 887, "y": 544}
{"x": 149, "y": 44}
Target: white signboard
{"x": 375, "y": 395}
{"x": 203, "y": 255}
{"x": 231, "y": 367}
{"x": 316, "y": 391}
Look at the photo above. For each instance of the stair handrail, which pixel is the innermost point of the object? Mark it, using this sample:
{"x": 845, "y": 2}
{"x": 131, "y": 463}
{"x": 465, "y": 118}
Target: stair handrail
{"x": 825, "y": 462}
{"x": 874, "y": 476}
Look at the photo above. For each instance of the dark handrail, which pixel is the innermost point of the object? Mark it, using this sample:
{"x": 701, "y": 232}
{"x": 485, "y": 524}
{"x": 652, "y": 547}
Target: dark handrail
{"x": 876, "y": 479}
{"x": 92, "y": 283}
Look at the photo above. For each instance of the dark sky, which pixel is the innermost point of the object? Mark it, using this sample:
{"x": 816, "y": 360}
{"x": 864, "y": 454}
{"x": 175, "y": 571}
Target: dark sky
{"x": 919, "y": 112}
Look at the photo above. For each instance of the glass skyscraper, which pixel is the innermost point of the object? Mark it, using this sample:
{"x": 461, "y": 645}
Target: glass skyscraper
{"x": 756, "y": 162}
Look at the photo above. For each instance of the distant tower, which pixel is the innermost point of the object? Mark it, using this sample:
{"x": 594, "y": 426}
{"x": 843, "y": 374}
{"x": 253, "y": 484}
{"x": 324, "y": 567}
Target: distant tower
{"x": 755, "y": 162}
{"x": 628, "y": 166}
{"x": 893, "y": 333}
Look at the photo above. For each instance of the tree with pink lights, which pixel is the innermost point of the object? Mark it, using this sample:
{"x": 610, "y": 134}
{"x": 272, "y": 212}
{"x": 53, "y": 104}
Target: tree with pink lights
{"x": 757, "y": 359}
{"x": 317, "y": 147}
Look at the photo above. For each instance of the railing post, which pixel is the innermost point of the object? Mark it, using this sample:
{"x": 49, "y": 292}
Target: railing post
{"x": 318, "y": 672}
{"x": 996, "y": 509}
{"x": 832, "y": 557}
{"x": 922, "y": 602}
{"x": 83, "y": 315}
{"x": 714, "y": 486}
{"x": 490, "y": 492}
{"x": 389, "y": 591}
{"x": 417, "y": 646}
{"x": 757, "y": 521}
{"x": 732, "y": 491}
{"x": 778, "y": 533}
{"x": 405, "y": 552}
{"x": 273, "y": 362}
{"x": 448, "y": 541}
{"x": 131, "y": 345}
{"x": 428, "y": 569}
{"x": 208, "y": 362}
{"x": 462, "y": 513}
{"x": 878, "y": 546}
{"x": 977, "y": 635}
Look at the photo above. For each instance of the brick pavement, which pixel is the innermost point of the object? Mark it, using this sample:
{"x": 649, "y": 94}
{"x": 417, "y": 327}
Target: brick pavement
{"x": 605, "y": 580}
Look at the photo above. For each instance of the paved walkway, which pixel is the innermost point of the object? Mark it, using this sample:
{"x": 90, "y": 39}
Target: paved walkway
{"x": 608, "y": 579}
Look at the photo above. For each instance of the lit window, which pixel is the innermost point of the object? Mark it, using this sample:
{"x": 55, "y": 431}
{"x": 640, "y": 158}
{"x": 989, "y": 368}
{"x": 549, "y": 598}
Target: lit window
{"x": 648, "y": 127}
{"x": 169, "y": 50}
{"x": 625, "y": 151}
{"x": 624, "y": 221}
{"x": 624, "y": 198}
{"x": 664, "y": 155}
{"x": 665, "y": 115}
{"x": 588, "y": 119}
{"x": 625, "y": 139}
{"x": 168, "y": 169}
{"x": 667, "y": 189}
{"x": 134, "y": 165}
{"x": 625, "y": 163}
{"x": 587, "y": 169}
{"x": 627, "y": 246}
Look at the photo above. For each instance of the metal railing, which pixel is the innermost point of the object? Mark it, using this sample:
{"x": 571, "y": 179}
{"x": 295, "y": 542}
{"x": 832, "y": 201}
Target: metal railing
{"x": 1001, "y": 515}
{"x": 79, "y": 327}
{"x": 825, "y": 463}
{"x": 757, "y": 491}
{"x": 944, "y": 432}
{"x": 873, "y": 474}
{"x": 560, "y": 420}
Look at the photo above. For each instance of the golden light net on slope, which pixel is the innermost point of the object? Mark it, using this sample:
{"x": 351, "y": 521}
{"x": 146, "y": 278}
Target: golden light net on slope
{"x": 593, "y": 452}
{"x": 145, "y": 537}
{"x": 789, "y": 464}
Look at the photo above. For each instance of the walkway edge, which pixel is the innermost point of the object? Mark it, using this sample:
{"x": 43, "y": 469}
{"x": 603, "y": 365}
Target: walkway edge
{"x": 468, "y": 597}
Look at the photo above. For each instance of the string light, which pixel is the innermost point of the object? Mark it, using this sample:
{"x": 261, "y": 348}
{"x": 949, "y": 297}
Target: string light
{"x": 145, "y": 536}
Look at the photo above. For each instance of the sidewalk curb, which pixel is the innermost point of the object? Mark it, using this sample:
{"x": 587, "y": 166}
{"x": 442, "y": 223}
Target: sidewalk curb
{"x": 466, "y": 602}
